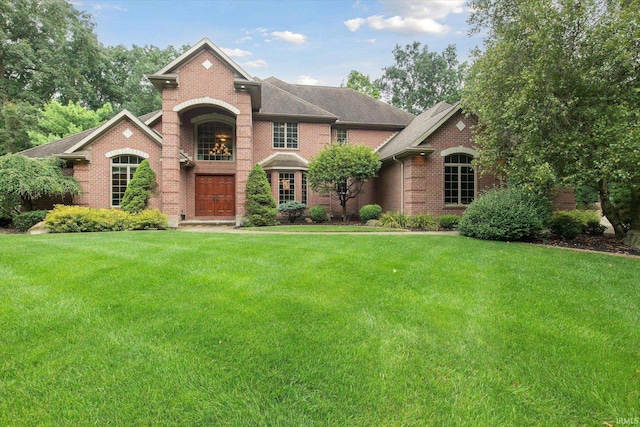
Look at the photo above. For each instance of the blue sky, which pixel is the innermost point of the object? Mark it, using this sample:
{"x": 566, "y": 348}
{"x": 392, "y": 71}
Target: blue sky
{"x": 303, "y": 41}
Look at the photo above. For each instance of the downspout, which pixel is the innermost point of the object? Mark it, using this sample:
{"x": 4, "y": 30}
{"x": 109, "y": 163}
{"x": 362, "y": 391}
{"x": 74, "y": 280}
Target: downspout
{"x": 401, "y": 163}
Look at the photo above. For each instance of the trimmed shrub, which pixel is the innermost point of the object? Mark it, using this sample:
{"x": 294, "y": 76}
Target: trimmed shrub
{"x": 394, "y": 220}
{"x": 293, "y": 210}
{"x": 507, "y": 214}
{"x": 75, "y": 219}
{"x": 151, "y": 219}
{"x": 261, "y": 207}
{"x": 139, "y": 189}
{"x": 368, "y": 212}
{"x": 566, "y": 224}
{"x": 318, "y": 214}
{"x": 426, "y": 222}
{"x": 449, "y": 221}
{"x": 26, "y": 220}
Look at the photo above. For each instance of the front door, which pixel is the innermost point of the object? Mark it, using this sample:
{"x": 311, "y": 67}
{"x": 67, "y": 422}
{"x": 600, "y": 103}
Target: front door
{"x": 215, "y": 195}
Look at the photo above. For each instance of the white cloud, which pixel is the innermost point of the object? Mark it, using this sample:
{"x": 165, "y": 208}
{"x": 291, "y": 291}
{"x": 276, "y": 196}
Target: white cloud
{"x": 235, "y": 53}
{"x": 307, "y": 80}
{"x": 410, "y": 17}
{"x": 289, "y": 37}
{"x": 108, "y": 6}
{"x": 358, "y": 4}
{"x": 243, "y": 39}
{"x": 259, "y": 63}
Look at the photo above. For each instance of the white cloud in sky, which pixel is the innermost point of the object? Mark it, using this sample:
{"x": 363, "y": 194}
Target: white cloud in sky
{"x": 289, "y": 37}
{"x": 235, "y": 53}
{"x": 410, "y": 17}
{"x": 243, "y": 39}
{"x": 259, "y": 63}
{"x": 307, "y": 80}
{"x": 109, "y": 6}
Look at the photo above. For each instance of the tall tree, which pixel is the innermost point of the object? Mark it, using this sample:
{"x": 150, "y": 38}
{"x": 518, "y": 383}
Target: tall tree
{"x": 57, "y": 121}
{"x": 128, "y": 70}
{"x": 556, "y": 92}
{"x": 342, "y": 170}
{"x": 419, "y": 79}
{"x": 363, "y": 84}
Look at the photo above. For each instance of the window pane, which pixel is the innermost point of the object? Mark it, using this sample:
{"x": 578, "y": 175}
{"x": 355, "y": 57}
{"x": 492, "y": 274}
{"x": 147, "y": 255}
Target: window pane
{"x": 278, "y": 134}
{"x": 304, "y": 188}
{"x": 286, "y": 192}
{"x": 292, "y": 135}
{"x": 215, "y": 141}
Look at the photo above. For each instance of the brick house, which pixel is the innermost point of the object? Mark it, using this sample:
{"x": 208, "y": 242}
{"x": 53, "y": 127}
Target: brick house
{"x": 217, "y": 122}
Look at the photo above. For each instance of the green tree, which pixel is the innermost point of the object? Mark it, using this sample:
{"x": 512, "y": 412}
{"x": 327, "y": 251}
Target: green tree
{"x": 556, "y": 92}
{"x": 127, "y": 73}
{"x": 419, "y": 79}
{"x": 23, "y": 180}
{"x": 57, "y": 121}
{"x": 140, "y": 188}
{"x": 260, "y": 207}
{"x": 342, "y": 170}
{"x": 363, "y": 84}
{"x": 16, "y": 118}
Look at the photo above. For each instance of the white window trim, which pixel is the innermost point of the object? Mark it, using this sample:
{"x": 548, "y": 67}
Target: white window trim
{"x": 111, "y": 165}
{"x": 459, "y": 165}
{"x": 273, "y": 126}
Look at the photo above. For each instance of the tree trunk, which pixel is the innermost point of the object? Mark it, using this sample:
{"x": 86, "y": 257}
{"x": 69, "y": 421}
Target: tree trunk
{"x": 344, "y": 211}
{"x": 609, "y": 210}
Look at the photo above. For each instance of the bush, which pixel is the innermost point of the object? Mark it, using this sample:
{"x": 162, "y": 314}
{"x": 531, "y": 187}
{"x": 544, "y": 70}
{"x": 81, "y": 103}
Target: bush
{"x": 151, "y": 219}
{"x": 368, "y": 212}
{"x": 293, "y": 210}
{"x": 566, "y": 224}
{"x": 425, "y": 222}
{"x": 5, "y": 220}
{"x": 139, "y": 189}
{"x": 74, "y": 219}
{"x": 26, "y": 220}
{"x": 394, "y": 220}
{"x": 507, "y": 214}
{"x": 261, "y": 207}
{"x": 318, "y": 214}
{"x": 449, "y": 221}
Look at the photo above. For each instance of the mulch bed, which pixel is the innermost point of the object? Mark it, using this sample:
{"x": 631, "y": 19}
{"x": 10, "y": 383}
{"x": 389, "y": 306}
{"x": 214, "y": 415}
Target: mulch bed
{"x": 605, "y": 243}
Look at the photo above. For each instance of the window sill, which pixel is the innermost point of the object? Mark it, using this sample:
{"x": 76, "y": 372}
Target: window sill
{"x": 455, "y": 207}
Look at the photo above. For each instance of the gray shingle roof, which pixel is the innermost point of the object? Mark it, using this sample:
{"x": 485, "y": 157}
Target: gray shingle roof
{"x": 350, "y": 106}
{"x": 58, "y": 147}
{"x": 279, "y": 102}
{"x": 418, "y": 130}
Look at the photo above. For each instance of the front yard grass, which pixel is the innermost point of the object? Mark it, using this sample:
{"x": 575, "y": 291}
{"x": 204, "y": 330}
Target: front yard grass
{"x": 147, "y": 328}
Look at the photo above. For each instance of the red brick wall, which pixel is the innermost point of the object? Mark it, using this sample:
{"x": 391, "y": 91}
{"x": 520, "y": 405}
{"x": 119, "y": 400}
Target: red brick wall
{"x": 95, "y": 176}
{"x": 424, "y": 175}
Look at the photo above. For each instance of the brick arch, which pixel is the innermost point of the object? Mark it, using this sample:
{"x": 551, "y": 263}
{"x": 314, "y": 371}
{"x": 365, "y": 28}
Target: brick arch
{"x": 459, "y": 150}
{"x": 206, "y": 101}
{"x": 123, "y": 151}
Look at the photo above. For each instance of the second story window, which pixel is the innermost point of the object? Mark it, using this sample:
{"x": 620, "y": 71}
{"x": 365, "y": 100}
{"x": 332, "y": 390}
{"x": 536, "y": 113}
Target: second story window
{"x": 215, "y": 141}
{"x": 285, "y": 135}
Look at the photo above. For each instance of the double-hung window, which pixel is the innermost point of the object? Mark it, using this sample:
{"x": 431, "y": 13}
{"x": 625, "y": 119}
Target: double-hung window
{"x": 285, "y": 135}
{"x": 342, "y": 136}
{"x": 286, "y": 187}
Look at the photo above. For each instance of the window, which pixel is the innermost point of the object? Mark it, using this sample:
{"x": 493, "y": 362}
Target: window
{"x": 285, "y": 135}
{"x": 215, "y": 141}
{"x": 342, "y": 136}
{"x": 303, "y": 199}
{"x": 287, "y": 187}
{"x": 459, "y": 179}
{"x": 122, "y": 169}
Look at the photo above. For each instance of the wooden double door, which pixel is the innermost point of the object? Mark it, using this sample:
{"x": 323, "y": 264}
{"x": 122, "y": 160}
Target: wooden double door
{"x": 215, "y": 195}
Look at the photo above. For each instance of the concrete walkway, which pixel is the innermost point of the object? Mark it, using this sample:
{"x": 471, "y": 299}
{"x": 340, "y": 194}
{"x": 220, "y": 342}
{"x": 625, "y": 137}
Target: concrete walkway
{"x": 232, "y": 230}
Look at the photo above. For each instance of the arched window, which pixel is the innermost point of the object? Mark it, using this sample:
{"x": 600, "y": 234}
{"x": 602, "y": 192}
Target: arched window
{"x": 459, "y": 179}
{"x": 122, "y": 169}
{"x": 215, "y": 141}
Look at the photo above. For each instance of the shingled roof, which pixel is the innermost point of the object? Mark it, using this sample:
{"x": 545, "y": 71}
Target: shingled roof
{"x": 412, "y": 138}
{"x": 59, "y": 147}
{"x": 278, "y": 102}
{"x": 352, "y": 108}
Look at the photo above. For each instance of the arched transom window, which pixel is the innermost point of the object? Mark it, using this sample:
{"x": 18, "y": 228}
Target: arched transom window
{"x": 122, "y": 169}
{"x": 215, "y": 141}
{"x": 459, "y": 179}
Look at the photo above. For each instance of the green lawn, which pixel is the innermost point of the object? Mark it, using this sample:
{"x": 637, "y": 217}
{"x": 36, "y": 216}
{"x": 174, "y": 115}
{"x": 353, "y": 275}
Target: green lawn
{"x": 147, "y": 328}
{"x": 325, "y": 229}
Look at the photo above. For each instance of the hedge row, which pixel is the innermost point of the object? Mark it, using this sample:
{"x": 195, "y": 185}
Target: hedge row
{"x": 74, "y": 219}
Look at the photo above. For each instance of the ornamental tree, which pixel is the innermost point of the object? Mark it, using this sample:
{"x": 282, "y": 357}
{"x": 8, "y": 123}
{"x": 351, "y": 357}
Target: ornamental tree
{"x": 556, "y": 93}
{"x": 342, "y": 170}
{"x": 137, "y": 194}
{"x": 23, "y": 180}
{"x": 260, "y": 207}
